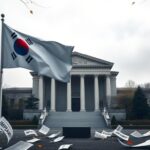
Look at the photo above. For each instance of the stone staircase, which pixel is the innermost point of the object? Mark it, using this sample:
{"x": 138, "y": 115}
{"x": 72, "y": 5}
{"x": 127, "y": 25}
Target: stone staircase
{"x": 75, "y": 119}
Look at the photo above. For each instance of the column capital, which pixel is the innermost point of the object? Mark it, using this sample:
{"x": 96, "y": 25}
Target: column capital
{"x": 108, "y": 75}
{"x": 82, "y": 75}
{"x": 96, "y": 75}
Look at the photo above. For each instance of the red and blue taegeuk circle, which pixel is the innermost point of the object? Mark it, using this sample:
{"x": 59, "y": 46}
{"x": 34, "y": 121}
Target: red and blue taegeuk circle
{"x": 21, "y": 47}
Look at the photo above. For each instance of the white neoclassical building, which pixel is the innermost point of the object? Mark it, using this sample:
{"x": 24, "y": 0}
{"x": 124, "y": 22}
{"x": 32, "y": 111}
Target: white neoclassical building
{"x": 91, "y": 87}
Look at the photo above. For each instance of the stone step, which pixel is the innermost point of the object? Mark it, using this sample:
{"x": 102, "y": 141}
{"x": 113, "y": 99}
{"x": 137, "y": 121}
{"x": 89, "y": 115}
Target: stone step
{"x": 75, "y": 119}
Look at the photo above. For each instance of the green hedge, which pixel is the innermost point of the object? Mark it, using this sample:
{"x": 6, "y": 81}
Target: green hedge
{"x": 139, "y": 127}
{"x": 21, "y": 122}
{"x": 24, "y": 126}
{"x": 132, "y": 124}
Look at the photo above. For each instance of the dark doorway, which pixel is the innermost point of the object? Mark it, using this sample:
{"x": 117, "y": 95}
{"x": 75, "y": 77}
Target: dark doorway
{"x": 75, "y": 104}
{"x": 77, "y": 132}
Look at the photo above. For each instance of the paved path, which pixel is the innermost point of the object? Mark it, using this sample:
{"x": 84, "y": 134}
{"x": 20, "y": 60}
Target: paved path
{"x": 78, "y": 144}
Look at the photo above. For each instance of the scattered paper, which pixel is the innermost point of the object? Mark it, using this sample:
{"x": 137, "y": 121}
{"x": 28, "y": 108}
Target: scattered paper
{"x": 146, "y": 134}
{"x": 33, "y": 140}
{"x": 30, "y": 132}
{"x": 121, "y": 135}
{"x": 6, "y": 128}
{"x": 21, "y": 145}
{"x": 54, "y": 135}
{"x": 108, "y": 134}
{"x": 44, "y": 129}
{"x": 58, "y": 139}
{"x": 65, "y": 146}
{"x": 119, "y": 128}
{"x": 136, "y": 134}
{"x": 100, "y": 135}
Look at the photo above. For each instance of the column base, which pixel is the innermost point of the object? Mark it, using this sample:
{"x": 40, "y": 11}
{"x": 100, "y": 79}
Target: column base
{"x": 69, "y": 110}
{"x": 52, "y": 110}
{"x": 83, "y": 110}
{"x": 96, "y": 110}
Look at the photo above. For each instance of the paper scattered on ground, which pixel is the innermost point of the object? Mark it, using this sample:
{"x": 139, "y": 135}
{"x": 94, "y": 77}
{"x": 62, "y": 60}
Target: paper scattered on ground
{"x": 121, "y": 135}
{"x": 65, "y": 146}
{"x": 21, "y": 145}
{"x": 108, "y": 134}
{"x": 30, "y": 132}
{"x": 58, "y": 139}
{"x": 100, "y": 135}
{"x": 33, "y": 140}
{"x": 6, "y": 128}
{"x": 136, "y": 134}
{"x": 44, "y": 129}
{"x": 54, "y": 135}
{"x": 119, "y": 128}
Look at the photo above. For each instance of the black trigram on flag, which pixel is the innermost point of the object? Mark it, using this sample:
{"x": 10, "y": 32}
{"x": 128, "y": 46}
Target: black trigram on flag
{"x": 14, "y": 56}
{"x": 13, "y": 35}
{"x": 29, "y": 59}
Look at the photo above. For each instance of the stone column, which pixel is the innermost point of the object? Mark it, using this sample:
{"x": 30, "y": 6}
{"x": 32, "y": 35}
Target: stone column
{"x": 96, "y": 92}
{"x": 113, "y": 86}
{"x": 35, "y": 84}
{"x": 53, "y": 96}
{"x": 82, "y": 93}
{"x": 108, "y": 91}
{"x": 69, "y": 96}
{"x": 41, "y": 92}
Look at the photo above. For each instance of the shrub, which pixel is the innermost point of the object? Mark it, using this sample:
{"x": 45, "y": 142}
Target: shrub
{"x": 35, "y": 120}
{"x": 113, "y": 121}
{"x": 140, "y": 108}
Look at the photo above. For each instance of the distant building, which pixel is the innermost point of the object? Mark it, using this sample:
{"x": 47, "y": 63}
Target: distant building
{"x": 16, "y": 96}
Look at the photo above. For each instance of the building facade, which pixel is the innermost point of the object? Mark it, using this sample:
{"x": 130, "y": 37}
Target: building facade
{"x": 91, "y": 87}
{"x": 15, "y": 97}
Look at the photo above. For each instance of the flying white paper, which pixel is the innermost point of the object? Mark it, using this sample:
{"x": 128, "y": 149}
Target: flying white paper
{"x": 21, "y": 145}
{"x": 44, "y": 129}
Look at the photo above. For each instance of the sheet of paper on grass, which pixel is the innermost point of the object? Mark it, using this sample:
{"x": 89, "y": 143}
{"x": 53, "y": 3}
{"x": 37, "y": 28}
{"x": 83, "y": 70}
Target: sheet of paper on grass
{"x": 21, "y": 145}
{"x": 58, "y": 139}
{"x": 54, "y": 135}
{"x": 44, "y": 129}
{"x": 30, "y": 132}
{"x": 65, "y": 146}
{"x": 33, "y": 140}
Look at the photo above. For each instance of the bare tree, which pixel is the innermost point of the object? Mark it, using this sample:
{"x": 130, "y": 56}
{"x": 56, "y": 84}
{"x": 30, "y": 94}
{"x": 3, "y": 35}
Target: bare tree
{"x": 130, "y": 84}
{"x": 147, "y": 85}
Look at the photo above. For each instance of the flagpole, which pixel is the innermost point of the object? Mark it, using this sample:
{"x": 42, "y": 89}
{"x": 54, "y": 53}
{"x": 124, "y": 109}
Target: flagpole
{"x": 1, "y": 66}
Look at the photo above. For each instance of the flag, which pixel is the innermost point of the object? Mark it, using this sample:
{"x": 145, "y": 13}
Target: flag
{"x": 47, "y": 58}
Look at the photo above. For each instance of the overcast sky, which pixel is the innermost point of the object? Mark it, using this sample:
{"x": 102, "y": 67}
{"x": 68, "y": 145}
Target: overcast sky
{"x": 114, "y": 30}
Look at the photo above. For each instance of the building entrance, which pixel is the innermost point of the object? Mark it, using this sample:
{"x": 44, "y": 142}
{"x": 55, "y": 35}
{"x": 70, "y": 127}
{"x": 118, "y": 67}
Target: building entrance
{"x": 75, "y": 104}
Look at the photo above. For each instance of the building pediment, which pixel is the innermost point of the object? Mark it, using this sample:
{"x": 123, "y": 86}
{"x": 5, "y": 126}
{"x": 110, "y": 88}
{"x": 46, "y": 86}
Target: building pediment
{"x": 82, "y": 60}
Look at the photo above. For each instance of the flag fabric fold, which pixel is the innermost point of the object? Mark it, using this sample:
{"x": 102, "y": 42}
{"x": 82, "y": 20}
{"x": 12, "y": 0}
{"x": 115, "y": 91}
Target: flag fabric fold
{"x": 47, "y": 58}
